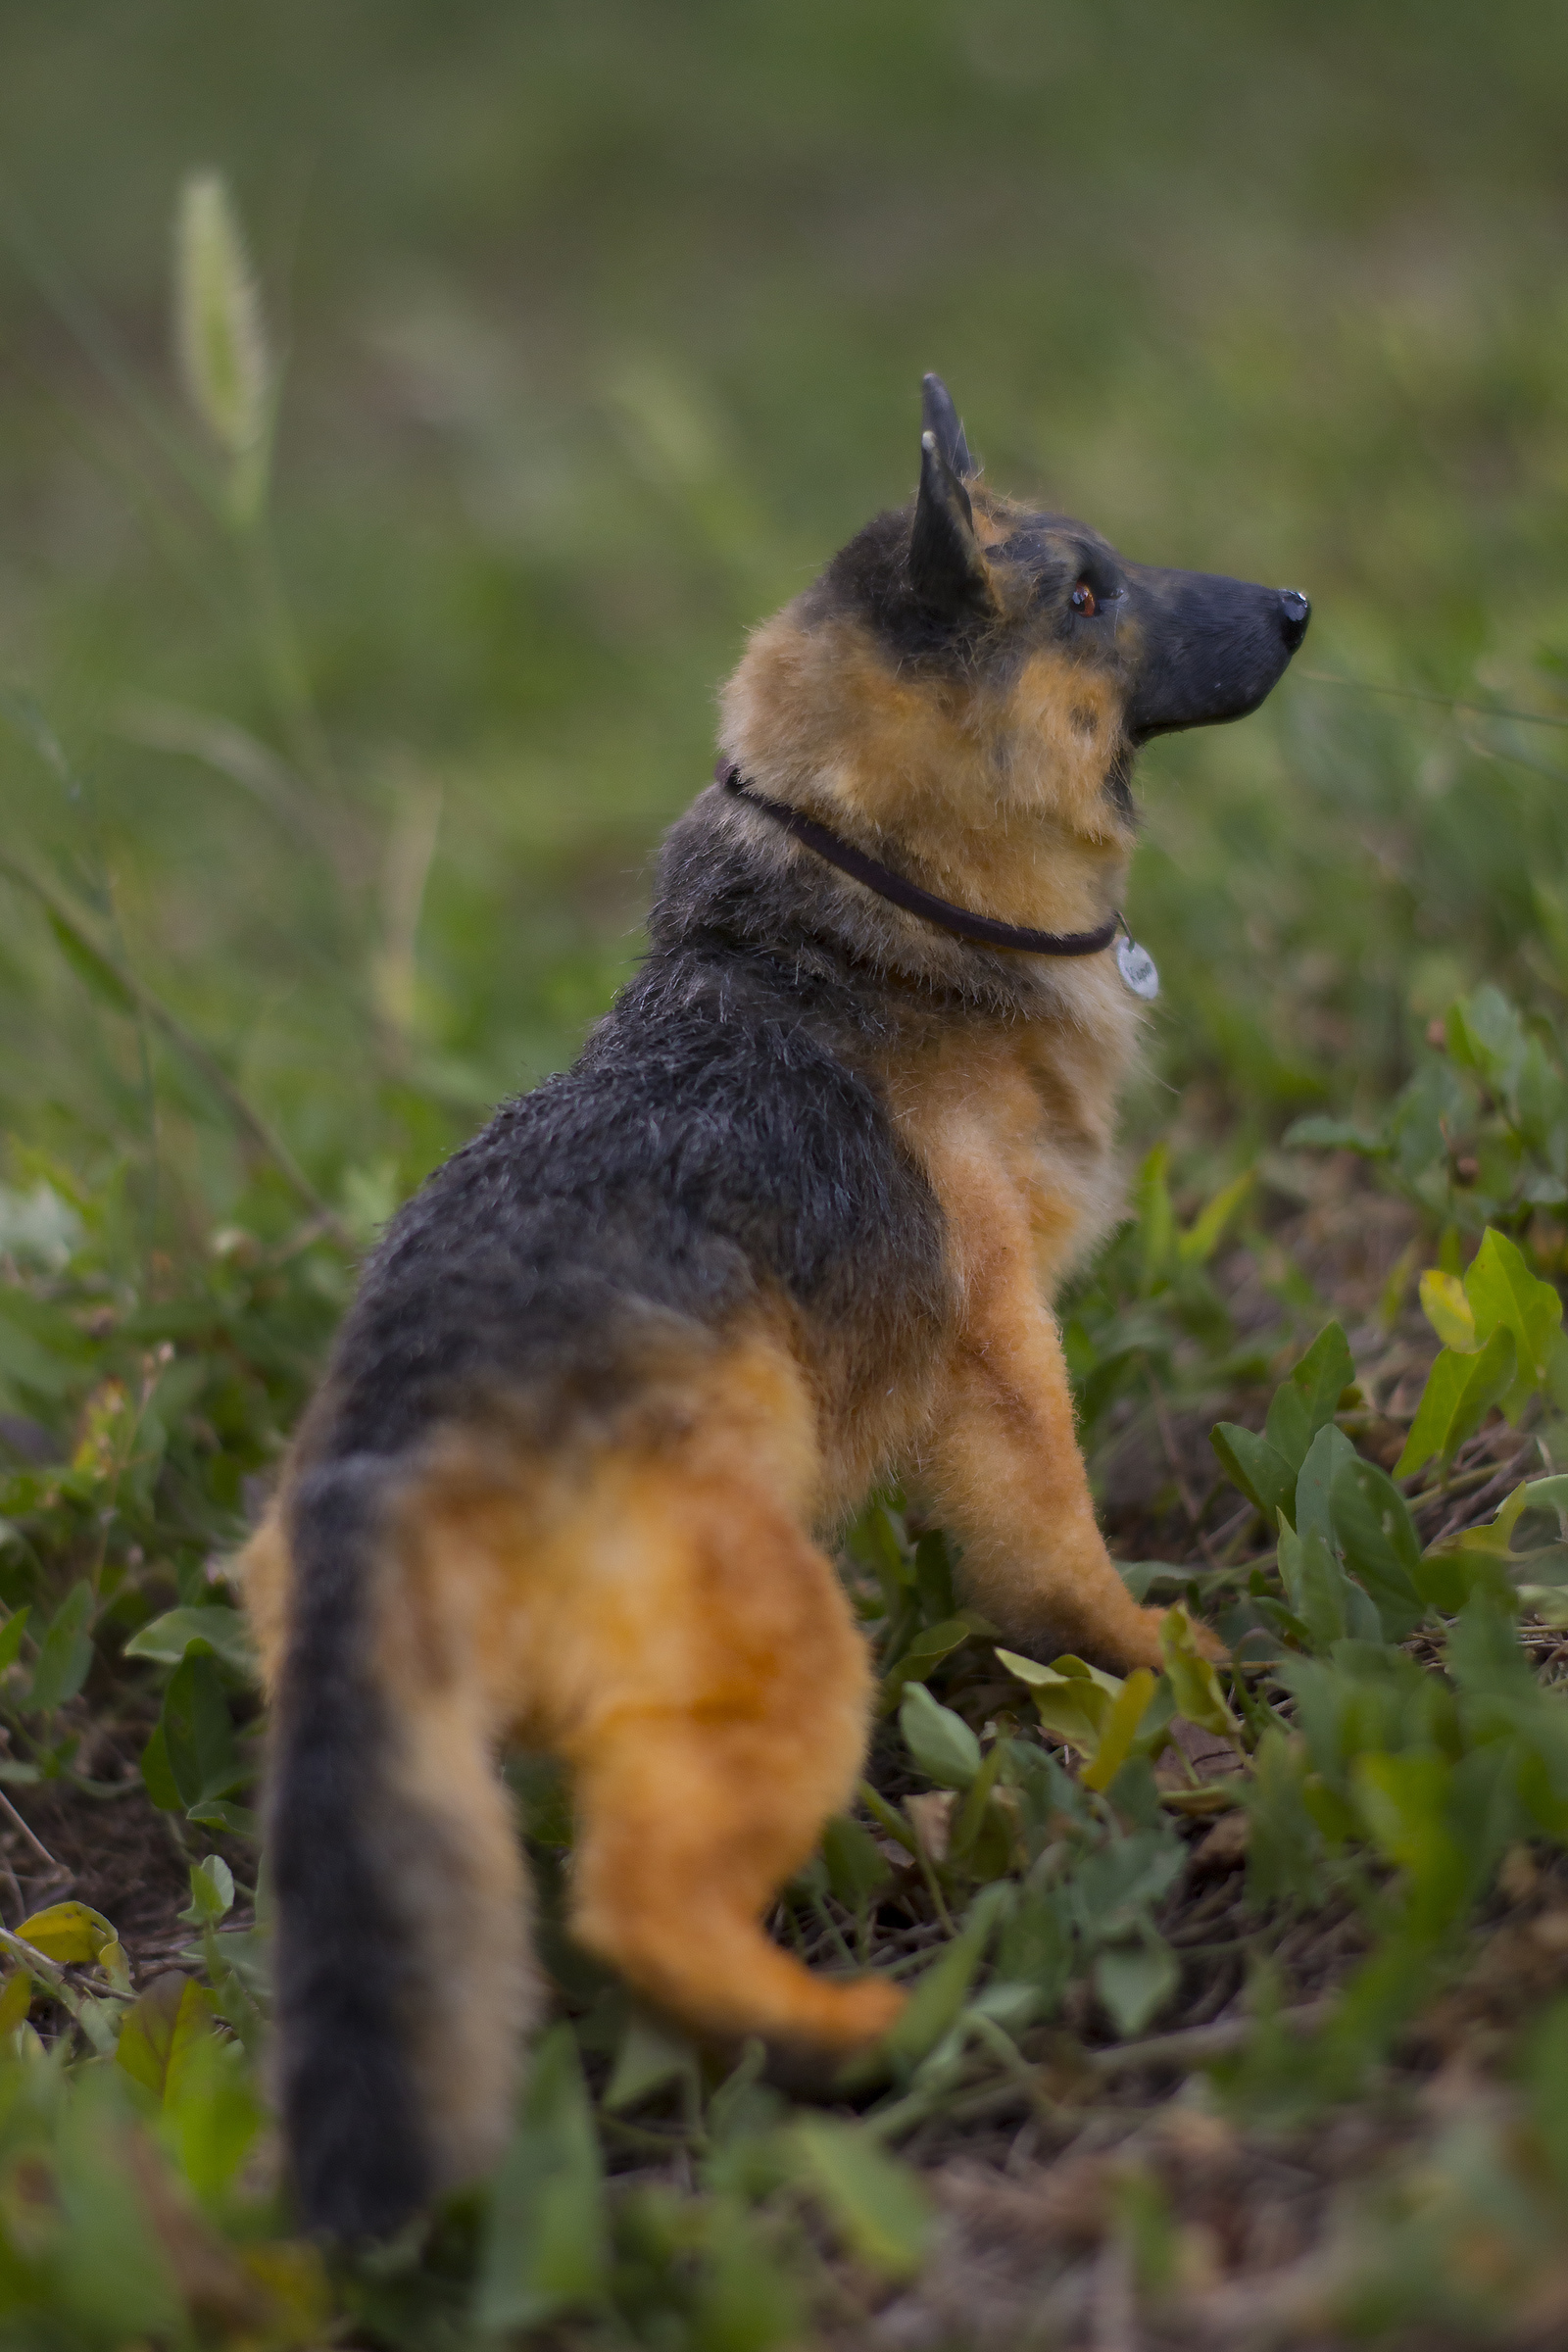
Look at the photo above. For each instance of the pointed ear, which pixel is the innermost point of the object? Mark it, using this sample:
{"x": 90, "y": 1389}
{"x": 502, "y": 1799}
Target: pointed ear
{"x": 939, "y": 416}
{"x": 946, "y": 565}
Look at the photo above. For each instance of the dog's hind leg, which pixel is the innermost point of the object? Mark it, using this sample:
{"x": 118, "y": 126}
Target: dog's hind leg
{"x": 730, "y": 1720}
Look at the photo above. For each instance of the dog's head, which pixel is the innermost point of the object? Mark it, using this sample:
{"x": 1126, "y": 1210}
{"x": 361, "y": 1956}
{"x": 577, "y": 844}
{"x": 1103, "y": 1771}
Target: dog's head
{"x": 971, "y": 677}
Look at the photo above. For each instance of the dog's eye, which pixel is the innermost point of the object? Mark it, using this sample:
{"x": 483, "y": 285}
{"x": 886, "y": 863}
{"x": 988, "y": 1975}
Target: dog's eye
{"x": 1084, "y": 600}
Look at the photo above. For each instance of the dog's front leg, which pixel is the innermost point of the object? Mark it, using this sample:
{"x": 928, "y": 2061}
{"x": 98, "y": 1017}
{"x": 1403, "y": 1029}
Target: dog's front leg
{"x": 1002, "y": 1469}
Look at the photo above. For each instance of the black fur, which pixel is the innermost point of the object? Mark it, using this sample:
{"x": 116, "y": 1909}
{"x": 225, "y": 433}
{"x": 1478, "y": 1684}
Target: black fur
{"x": 718, "y": 1140}
{"x": 343, "y": 1960}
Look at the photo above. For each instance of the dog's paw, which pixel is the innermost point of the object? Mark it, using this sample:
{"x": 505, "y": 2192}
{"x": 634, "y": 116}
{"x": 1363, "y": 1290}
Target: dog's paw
{"x": 865, "y": 2010}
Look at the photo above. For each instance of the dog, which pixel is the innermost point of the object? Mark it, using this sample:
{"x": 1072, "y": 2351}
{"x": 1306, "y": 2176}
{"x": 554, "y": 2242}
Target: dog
{"x": 789, "y": 1227}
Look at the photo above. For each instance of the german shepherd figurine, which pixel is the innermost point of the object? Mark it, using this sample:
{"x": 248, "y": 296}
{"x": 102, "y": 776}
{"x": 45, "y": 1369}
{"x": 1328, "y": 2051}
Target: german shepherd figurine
{"x": 789, "y": 1227}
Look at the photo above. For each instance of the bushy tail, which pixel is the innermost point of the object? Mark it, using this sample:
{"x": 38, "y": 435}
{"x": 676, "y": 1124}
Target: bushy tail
{"x": 400, "y": 1948}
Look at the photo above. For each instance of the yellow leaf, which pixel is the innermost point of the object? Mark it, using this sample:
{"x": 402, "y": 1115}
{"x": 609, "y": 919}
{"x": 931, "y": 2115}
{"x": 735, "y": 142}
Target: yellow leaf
{"x": 1199, "y": 1694}
{"x": 1120, "y": 1729}
{"x": 68, "y": 1933}
{"x": 16, "y": 1999}
{"x": 1449, "y": 1310}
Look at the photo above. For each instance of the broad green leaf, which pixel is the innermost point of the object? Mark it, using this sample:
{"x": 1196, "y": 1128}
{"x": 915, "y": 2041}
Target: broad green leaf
{"x": 211, "y": 2113}
{"x": 158, "y": 1776}
{"x": 1307, "y": 1401}
{"x": 159, "y": 2029}
{"x": 1546, "y": 1495}
{"x": 1376, "y": 1535}
{"x": 212, "y": 1892}
{"x": 1036, "y": 1946}
{"x": 1485, "y": 1035}
{"x": 937, "y": 1998}
{"x": 1449, "y": 1310}
{"x": 64, "y": 1652}
{"x": 1253, "y": 1465}
{"x": 169, "y": 1638}
{"x": 650, "y": 2058}
{"x": 940, "y": 1741}
{"x": 1071, "y": 1699}
{"x": 746, "y": 2300}
{"x": 11, "y": 1633}
{"x": 1120, "y": 1729}
{"x": 1505, "y": 1295}
{"x": 1134, "y": 1980}
{"x": 1316, "y": 1585}
{"x": 879, "y": 2206}
{"x": 1460, "y": 1391}
{"x": 925, "y": 1654}
{"x": 204, "y": 1759}
{"x": 1318, "y": 1132}
{"x": 1194, "y": 1678}
{"x": 545, "y": 2247}
{"x": 857, "y": 1867}
{"x": 1198, "y": 1242}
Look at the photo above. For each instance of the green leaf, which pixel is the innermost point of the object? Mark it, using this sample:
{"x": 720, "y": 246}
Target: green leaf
{"x": 90, "y": 965}
{"x": 857, "y": 1867}
{"x": 1071, "y": 1698}
{"x": 1320, "y": 1132}
{"x": 545, "y": 2247}
{"x": 1120, "y": 1728}
{"x": 923, "y": 1657}
{"x": 212, "y": 2110}
{"x": 1460, "y": 1391}
{"x": 158, "y": 1778}
{"x": 1135, "y": 1980}
{"x": 878, "y": 2205}
{"x": 934, "y": 2004}
{"x": 746, "y": 2300}
{"x": 203, "y": 1758}
{"x": 1198, "y": 1242}
{"x": 1253, "y": 1464}
{"x": 1448, "y": 1312}
{"x": 1374, "y": 1530}
{"x": 159, "y": 2029}
{"x": 212, "y": 1892}
{"x": 1194, "y": 1678}
{"x": 1156, "y": 1219}
{"x": 1316, "y": 1585}
{"x": 1307, "y": 1401}
{"x": 11, "y": 1633}
{"x": 940, "y": 1741}
{"x": 1505, "y": 1295}
{"x": 226, "y": 1631}
{"x": 65, "y": 1652}
{"x": 650, "y": 2058}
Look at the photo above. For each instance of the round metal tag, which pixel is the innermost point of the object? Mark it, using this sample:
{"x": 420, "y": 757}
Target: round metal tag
{"x": 1137, "y": 968}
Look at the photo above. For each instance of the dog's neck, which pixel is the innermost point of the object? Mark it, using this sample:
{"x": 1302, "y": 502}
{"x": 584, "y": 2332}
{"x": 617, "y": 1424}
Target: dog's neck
{"x": 993, "y": 797}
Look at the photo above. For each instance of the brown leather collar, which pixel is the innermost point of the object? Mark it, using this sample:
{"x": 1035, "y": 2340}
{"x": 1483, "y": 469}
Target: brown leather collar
{"x": 982, "y": 930}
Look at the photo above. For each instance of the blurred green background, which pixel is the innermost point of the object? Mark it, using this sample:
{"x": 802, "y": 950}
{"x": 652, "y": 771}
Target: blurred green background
{"x": 602, "y": 327}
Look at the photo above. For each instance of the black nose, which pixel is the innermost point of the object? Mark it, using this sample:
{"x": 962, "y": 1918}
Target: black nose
{"x": 1295, "y": 610}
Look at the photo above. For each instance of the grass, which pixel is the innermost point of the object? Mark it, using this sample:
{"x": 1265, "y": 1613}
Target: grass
{"x": 341, "y": 701}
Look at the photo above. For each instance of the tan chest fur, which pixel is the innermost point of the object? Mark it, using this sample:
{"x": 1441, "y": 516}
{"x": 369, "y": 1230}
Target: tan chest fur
{"x": 1015, "y": 1124}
